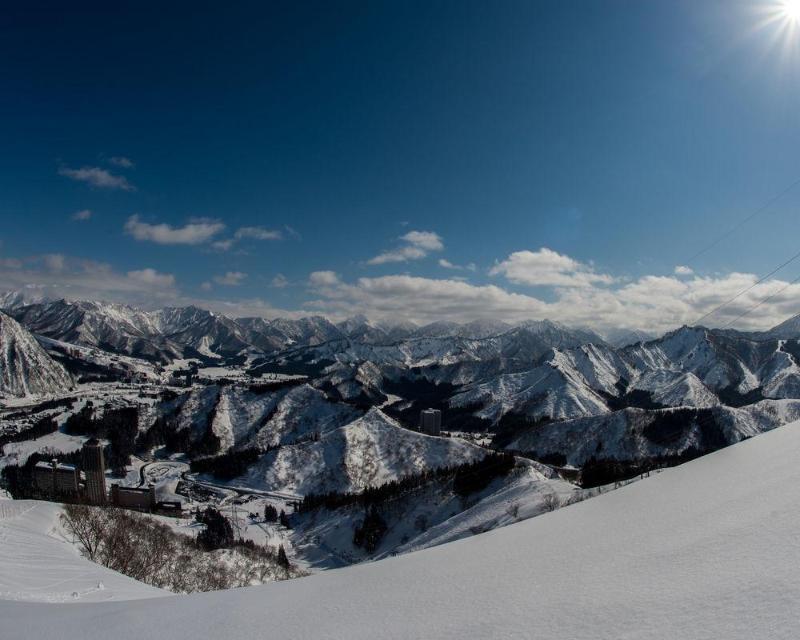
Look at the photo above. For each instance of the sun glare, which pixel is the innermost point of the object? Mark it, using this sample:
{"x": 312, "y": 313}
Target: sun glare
{"x": 791, "y": 10}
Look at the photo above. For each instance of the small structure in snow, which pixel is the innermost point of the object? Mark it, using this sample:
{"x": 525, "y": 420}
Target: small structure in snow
{"x": 430, "y": 422}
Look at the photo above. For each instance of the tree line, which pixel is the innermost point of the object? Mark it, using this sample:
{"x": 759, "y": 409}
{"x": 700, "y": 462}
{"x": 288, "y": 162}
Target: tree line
{"x": 467, "y": 478}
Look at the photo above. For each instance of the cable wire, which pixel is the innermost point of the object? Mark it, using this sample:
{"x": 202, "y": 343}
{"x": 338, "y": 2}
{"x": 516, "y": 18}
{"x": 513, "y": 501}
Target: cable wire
{"x": 750, "y": 288}
{"x": 741, "y": 223}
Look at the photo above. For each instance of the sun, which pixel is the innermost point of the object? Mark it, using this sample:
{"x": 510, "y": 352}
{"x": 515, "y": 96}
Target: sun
{"x": 791, "y": 10}
{"x": 779, "y": 20}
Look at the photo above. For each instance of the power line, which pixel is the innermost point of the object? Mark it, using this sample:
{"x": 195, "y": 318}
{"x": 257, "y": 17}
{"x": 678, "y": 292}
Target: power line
{"x": 740, "y": 224}
{"x": 767, "y": 299}
{"x": 750, "y": 288}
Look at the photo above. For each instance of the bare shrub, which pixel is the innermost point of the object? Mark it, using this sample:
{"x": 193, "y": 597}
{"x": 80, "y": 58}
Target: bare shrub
{"x": 513, "y": 510}
{"x": 551, "y": 502}
{"x": 147, "y": 550}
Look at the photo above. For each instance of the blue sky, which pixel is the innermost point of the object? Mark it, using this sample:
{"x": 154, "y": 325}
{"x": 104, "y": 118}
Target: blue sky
{"x": 422, "y": 160}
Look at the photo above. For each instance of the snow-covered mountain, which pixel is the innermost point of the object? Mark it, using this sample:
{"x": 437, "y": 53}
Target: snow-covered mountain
{"x": 625, "y": 337}
{"x": 282, "y": 333}
{"x": 10, "y": 300}
{"x": 25, "y": 367}
{"x": 107, "y": 326}
{"x": 369, "y": 451}
{"x": 789, "y": 329}
{"x": 636, "y": 436}
{"x": 541, "y": 369}
{"x": 617, "y": 566}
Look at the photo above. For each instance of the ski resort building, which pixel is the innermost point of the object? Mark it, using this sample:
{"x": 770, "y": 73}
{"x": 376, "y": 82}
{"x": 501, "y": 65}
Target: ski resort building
{"x": 134, "y": 498}
{"x": 430, "y": 422}
{"x": 54, "y": 479}
{"x": 94, "y": 466}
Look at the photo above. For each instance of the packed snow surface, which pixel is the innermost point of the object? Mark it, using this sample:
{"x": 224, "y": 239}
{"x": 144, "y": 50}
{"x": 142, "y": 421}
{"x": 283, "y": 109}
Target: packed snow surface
{"x": 705, "y": 550}
{"x": 38, "y": 565}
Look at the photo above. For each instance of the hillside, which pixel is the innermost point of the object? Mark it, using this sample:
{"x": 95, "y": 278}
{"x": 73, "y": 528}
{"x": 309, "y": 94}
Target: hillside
{"x": 369, "y": 451}
{"x": 25, "y": 367}
{"x": 38, "y": 565}
{"x": 705, "y": 550}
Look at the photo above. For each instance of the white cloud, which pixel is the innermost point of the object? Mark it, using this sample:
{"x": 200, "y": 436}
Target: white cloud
{"x": 279, "y": 281}
{"x": 195, "y": 232}
{"x": 231, "y": 279}
{"x": 323, "y": 279}
{"x": 56, "y": 275}
{"x": 414, "y": 246}
{"x": 548, "y": 268}
{"x": 250, "y": 233}
{"x": 446, "y": 264}
{"x": 682, "y": 270}
{"x": 97, "y": 177}
{"x": 152, "y": 277}
{"x": 121, "y": 161}
{"x": 206, "y": 286}
{"x": 82, "y": 215}
{"x": 258, "y": 233}
{"x": 653, "y": 303}
{"x": 427, "y": 240}
{"x": 222, "y": 245}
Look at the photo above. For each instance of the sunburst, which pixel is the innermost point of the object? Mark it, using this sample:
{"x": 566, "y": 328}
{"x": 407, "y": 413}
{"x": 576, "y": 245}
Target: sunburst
{"x": 781, "y": 20}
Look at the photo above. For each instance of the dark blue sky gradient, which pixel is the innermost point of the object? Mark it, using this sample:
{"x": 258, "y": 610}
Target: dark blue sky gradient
{"x": 628, "y": 133}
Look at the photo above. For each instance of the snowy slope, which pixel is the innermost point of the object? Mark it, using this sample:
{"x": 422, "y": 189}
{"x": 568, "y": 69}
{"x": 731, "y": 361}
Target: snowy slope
{"x": 243, "y": 417}
{"x": 631, "y": 435}
{"x": 369, "y": 451}
{"x": 707, "y": 550}
{"x": 25, "y": 367}
{"x": 39, "y": 566}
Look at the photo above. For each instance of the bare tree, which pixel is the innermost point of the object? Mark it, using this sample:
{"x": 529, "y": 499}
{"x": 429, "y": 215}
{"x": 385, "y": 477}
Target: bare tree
{"x": 551, "y": 502}
{"x": 86, "y": 527}
{"x": 150, "y": 551}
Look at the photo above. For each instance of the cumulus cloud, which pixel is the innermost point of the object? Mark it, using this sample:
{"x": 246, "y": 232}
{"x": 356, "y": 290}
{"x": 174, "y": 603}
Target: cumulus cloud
{"x": 145, "y": 288}
{"x": 198, "y": 231}
{"x": 257, "y": 233}
{"x": 446, "y": 264}
{"x": 97, "y": 177}
{"x": 323, "y": 279}
{"x": 152, "y": 277}
{"x": 223, "y": 245}
{"x": 548, "y": 268}
{"x": 121, "y": 161}
{"x": 653, "y": 303}
{"x": 231, "y": 279}
{"x": 82, "y": 215}
{"x": 57, "y": 275}
{"x": 249, "y": 233}
{"x": 279, "y": 281}
{"x": 414, "y": 246}
{"x": 682, "y": 270}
